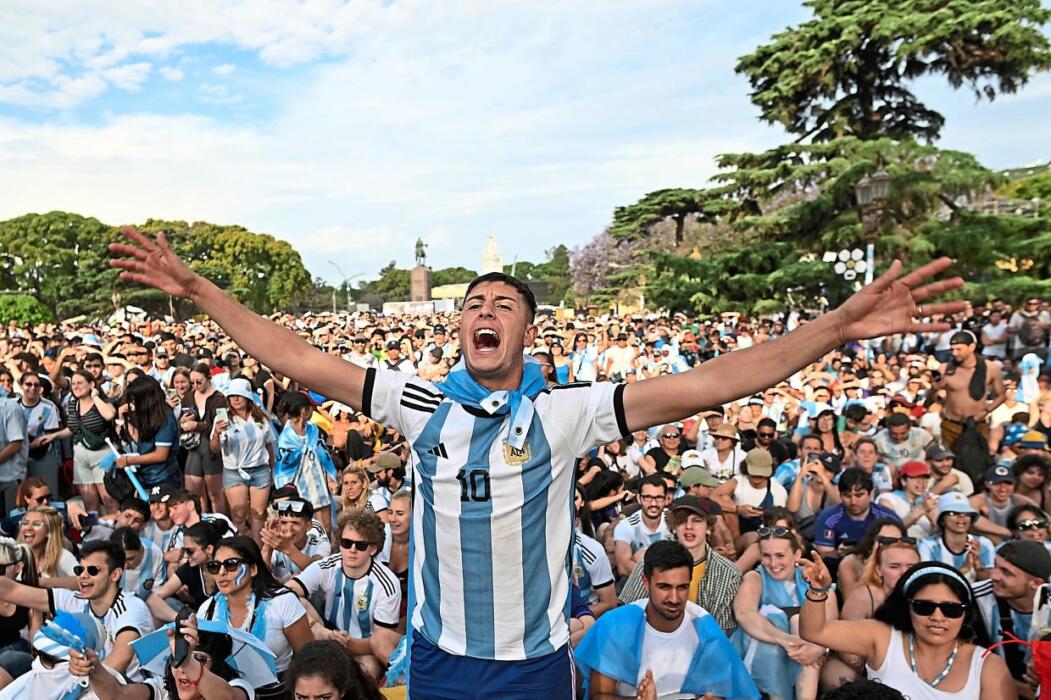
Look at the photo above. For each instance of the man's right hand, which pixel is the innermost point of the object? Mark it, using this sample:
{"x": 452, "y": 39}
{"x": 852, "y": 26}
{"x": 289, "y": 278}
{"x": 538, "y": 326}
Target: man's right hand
{"x": 647, "y": 689}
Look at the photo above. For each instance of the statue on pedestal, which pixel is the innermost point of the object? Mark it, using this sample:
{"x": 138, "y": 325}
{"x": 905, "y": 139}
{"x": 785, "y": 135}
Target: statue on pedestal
{"x": 421, "y": 252}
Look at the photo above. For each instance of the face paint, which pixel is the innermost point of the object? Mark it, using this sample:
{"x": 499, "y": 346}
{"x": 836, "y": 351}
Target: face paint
{"x": 242, "y": 572}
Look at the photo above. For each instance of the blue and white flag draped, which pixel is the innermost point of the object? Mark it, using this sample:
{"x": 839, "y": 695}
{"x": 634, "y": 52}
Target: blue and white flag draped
{"x": 464, "y": 389}
{"x": 304, "y": 461}
{"x": 613, "y": 647}
{"x": 251, "y": 657}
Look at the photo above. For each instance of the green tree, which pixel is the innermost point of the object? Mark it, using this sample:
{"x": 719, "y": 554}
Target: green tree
{"x": 847, "y": 71}
{"x": 23, "y": 309}
{"x": 452, "y": 275}
{"x": 392, "y": 285}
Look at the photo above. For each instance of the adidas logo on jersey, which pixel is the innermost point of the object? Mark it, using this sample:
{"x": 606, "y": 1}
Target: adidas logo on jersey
{"x": 439, "y": 451}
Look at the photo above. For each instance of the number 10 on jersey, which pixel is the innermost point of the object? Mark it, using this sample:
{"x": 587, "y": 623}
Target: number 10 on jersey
{"x": 474, "y": 485}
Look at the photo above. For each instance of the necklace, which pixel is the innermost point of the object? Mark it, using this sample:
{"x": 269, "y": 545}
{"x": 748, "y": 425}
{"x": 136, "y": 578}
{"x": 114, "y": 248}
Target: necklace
{"x": 945, "y": 671}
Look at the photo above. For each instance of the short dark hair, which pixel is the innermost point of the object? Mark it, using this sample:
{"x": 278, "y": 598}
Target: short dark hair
{"x": 812, "y": 436}
{"x": 766, "y": 422}
{"x": 665, "y": 555}
{"x": 897, "y": 420}
{"x": 853, "y": 477}
{"x": 330, "y": 660}
{"x": 126, "y": 538}
{"x": 653, "y": 480}
{"x": 519, "y": 285}
{"x": 138, "y": 505}
{"x": 184, "y": 496}
{"x": 864, "y": 690}
{"x": 113, "y": 552}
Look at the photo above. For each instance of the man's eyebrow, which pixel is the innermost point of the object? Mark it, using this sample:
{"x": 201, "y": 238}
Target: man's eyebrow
{"x": 497, "y": 298}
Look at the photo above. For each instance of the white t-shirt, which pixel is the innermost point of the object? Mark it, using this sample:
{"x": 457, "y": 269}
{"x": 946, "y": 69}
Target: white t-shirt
{"x": 747, "y": 495}
{"x": 354, "y": 605}
{"x": 667, "y": 655}
{"x": 243, "y": 445}
{"x": 723, "y": 470}
{"x": 998, "y": 339}
{"x": 283, "y": 610}
{"x": 126, "y": 613}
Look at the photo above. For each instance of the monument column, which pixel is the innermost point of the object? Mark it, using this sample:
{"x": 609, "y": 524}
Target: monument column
{"x": 420, "y": 276}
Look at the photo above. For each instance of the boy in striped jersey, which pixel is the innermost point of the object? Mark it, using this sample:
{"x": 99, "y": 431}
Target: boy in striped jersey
{"x": 362, "y": 596}
{"x": 291, "y": 543}
{"x": 494, "y": 452}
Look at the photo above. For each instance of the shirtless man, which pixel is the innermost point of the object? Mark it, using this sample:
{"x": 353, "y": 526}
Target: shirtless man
{"x": 967, "y": 395}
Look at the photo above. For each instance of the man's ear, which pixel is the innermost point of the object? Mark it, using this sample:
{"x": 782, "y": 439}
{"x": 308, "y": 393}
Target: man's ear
{"x": 530, "y": 335}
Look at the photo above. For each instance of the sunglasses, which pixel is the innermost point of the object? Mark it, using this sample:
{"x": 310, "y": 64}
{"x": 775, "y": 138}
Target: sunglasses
{"x": 46, "y": 498}
{"x": 765, "y": 435}
{"x": 31, "y": 385}
{"x": 360, "y": 545}
{"x": 671, "y": 436}
{"x": 885, "y": 540}
{"x": 925, "y": 608}
{"x": 291, "y": 506}
{"x": 92, "y": 570}
{"x": 1030, "y": 524}
{"x": 779, "y": 532}
{"x": 230, "y": 565}
{"x": 48, "y": 661}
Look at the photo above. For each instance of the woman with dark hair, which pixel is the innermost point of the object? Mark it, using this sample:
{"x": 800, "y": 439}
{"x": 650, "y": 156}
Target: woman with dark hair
{"x": 326, "y": 669}
{"x": 561, "y": 364}
{"x": 825, "y": 428}
{"x": 1032, "y": 472}
{"x": 852, "y": 566}
{"x": 250, "y": 599}
{"x": 926, "y": 639}
{"x": 204, "y": 468}
{"x": 592, "y": 572}
{"x": 303, "y": 459}
{"x": 584, "y": 359}
{"x": 89, "y": 421}
{"x": 192, "y": 581}
{"x": 152, "y": 434}
{"x": 1028, "y": 522}
{"x": 605, "y": 493}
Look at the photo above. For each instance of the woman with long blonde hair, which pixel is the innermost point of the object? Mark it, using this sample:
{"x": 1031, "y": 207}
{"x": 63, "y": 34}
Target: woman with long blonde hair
{"x": 354, "y": 488}
{"x": 42, "y": 531}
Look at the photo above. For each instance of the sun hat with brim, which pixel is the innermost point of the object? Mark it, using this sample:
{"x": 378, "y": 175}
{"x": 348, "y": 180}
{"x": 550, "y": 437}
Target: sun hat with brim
{"x": 697, "y": 476}
{"x": 114, "y": 360}
{"x": 758, "y": 462}
{"x": 240, "y": 387}
{"x": 955, "y": 502}
{"x": 726, "y": 431}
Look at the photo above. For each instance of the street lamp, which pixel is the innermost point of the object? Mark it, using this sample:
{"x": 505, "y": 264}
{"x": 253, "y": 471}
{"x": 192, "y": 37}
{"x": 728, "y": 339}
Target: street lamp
{"x": 346, "y": 281}
{"x": 871, "y": 192}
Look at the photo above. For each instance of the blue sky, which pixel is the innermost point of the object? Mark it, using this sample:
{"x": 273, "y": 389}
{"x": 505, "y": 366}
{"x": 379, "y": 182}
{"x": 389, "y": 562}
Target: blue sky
{"x": 351, "y": 129}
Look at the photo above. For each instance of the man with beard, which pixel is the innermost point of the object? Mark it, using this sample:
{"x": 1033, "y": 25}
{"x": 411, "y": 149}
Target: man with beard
{"x": 642, "y": 528}
{"x": 663, "y": 644}
{"x": 495, "y": 452}
{"x": 969, "y": 380}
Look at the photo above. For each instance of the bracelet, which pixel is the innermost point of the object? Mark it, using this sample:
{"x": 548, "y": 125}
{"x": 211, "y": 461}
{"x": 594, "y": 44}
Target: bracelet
{"x": 822, "y": 599}
{"x": 826, "y": 589}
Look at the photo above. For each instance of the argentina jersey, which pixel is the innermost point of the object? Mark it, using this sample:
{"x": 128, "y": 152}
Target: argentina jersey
{"x": 634, "y": 531}
{"x": 151, "y": 568}
{"x": 935, "y": 549}
{"x": 591, "y": 567}
{"x": 492, "y": 527}
{"x": 354, "y": 605}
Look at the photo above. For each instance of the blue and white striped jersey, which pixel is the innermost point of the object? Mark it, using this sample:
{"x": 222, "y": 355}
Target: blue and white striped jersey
{"x": 591, "y": 567}
{"x": 40, "y": 419}
{"x": 934, "y": 549}
{"x": 354, "y": 605}
{"x": 492, "y": 527}
{"x": 151, "y": 568}
{"x": 633, "y": 530}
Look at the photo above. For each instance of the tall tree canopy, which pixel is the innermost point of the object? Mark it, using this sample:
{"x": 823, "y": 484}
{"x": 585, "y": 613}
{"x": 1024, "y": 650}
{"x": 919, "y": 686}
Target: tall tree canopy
{"x": 847, "y": 71}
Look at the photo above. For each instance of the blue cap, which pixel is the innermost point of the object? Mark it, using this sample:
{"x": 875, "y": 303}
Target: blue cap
{"x": 955, "y": 502}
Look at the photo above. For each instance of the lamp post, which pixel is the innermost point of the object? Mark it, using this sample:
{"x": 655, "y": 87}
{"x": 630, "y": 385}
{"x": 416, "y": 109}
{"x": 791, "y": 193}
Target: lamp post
{"x": 871, "y": 193}
{"x": 346, "y": 282}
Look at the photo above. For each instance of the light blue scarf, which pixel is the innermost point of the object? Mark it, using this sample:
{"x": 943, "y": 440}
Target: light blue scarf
{"x": 462, "y": 388}
{"x": 222, "y": 614}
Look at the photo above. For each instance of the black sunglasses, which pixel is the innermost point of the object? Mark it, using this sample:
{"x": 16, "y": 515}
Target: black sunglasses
{"x": 92, "y": 570}
{"x": 779, "y": 532}
{"x": 765, "y": 435}
{"x": 925, "y": 608}
{"x": 885, "y": 540}
{"x": 1030, "y": 524}
{"x": 46, "y": 498}
{"x": 48, "y": 661}
{"x": 230, "y": 565}
{"x": 360, "y": 545}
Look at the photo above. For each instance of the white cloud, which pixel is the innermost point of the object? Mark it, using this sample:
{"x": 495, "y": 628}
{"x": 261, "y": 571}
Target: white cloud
{"x": 172, "y": 74}
{"x": 218, "y": 94}
{"x": 129, "y": 76}
{"x": 224, "y": 69}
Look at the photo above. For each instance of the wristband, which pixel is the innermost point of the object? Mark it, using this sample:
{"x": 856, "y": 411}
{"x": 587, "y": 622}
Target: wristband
{"x": 822, "y": 599}
{"x": 826, "y": 589}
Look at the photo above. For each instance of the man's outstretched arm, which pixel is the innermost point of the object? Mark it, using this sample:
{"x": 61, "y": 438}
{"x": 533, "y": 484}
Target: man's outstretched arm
{"x": 887, "y": 306}
{"x": 153, "y": 263}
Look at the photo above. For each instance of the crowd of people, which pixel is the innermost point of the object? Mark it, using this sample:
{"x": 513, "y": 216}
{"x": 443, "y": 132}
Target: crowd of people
{"x": 901, "y": 484}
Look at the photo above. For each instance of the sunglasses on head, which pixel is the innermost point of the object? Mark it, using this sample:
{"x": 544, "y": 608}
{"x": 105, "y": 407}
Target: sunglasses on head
{"x": 291, "y": 506}
{"x": 92, "y": 570}
{"x": 230, "y": 565}
{"x": 1030, "y": 524}
{"x": 360, "y": 545}
{"x": 925, "y": 608}
{"x": 779, "y": 532}
{"x": 886, "y": 540}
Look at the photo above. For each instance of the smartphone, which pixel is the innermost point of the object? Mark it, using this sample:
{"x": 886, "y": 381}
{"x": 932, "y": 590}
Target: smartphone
{"x": 222, "y": 414}
{"x": 182, "y": 647}
{"x": 89, "y": 520}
